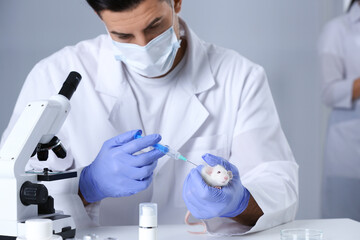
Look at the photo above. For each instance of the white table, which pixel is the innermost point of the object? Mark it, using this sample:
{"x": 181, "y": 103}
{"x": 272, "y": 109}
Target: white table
{"x": 334, "y": 229}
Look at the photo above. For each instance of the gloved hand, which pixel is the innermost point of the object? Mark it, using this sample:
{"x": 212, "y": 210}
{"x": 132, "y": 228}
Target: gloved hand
{"x": 204, "y": 201}
{"x": 115, "y": 172}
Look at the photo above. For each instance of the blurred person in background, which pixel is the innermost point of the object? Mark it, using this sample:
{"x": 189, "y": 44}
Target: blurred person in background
{"x": 339, "y": 48}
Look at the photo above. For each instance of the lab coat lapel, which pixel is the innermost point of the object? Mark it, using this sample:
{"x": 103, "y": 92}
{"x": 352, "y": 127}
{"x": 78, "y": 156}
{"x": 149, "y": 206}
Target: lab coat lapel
{"x": 187, "y": 114}
{"x": 116, "y": 92}
{"x": 125, "y": 115}
{"x": 183, "y": 119}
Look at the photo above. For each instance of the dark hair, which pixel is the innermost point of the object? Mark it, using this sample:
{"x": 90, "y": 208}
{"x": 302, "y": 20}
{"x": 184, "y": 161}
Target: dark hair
{"x": 115, "y": 5}
{"x": 351, "y": 4}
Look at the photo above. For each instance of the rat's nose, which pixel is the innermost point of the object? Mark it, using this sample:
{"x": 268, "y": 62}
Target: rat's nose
{"x": 226, "y": 177}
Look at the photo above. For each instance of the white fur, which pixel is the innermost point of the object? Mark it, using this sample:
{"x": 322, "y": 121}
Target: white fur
{"x": 216, "y": 176}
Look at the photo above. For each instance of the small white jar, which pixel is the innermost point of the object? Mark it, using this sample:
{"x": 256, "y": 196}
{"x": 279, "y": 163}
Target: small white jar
{"x": 148, "y": 221}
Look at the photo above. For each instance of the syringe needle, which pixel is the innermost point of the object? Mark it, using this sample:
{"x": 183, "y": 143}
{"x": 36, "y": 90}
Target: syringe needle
{"x": 191, "y": 163}
{"x": 181, "y": 157}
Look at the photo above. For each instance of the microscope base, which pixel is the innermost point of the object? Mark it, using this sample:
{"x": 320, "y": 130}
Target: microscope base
{"x": 63, "y": 225}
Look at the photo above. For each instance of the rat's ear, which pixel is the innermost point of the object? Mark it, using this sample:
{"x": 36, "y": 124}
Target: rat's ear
{"x": 208, "y": 170}
{"x": 230, "y": 174}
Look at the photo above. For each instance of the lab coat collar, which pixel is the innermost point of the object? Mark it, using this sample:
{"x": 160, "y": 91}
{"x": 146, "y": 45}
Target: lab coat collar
{"x": 110, "y": 78}
{"x": 354, "y": 13}
{"x": 197, "y": 71}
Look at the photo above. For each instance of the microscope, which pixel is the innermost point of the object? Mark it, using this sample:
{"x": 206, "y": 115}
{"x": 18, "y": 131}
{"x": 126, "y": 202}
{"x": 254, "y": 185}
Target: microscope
{"x": 22, "y": 196}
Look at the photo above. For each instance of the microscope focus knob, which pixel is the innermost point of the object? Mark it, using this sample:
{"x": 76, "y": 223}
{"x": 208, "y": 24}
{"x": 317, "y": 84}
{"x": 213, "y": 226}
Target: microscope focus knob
{"x": 31, "y": 193}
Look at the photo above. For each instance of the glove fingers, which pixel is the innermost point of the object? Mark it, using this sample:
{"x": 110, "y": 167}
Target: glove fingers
{"x": 134, "y": 186}
{"x": 213, "y": 160}
{"x": 141, "y": 173}
{"x": 196, "y": 195}
{"x": 146, "y": 158}
{"x": 123, "y": 138}
{"x": 196, "y": 184}
{"x": 144, "y": 184}
{"x": 141, "y": 143}
{"x": 190, "y": 197}
{"x": 197, "y": 212}
{"x": 196, "y": 178}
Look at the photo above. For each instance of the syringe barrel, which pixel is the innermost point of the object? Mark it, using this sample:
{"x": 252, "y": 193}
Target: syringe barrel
{"x": 163, "y": 149}
{"x": 172, "y": 153}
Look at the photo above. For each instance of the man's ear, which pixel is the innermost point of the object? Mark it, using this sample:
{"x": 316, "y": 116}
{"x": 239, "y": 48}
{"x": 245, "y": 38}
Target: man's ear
{"x": 177, "y": 6}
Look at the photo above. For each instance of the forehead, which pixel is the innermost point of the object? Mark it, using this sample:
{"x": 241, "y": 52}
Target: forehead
{"x": 139, "y": 17}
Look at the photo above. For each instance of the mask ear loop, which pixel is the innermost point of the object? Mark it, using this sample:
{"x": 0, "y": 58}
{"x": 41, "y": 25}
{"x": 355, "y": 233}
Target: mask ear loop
{"x": 173, "y": 21}
{"x": 172, "y": 15}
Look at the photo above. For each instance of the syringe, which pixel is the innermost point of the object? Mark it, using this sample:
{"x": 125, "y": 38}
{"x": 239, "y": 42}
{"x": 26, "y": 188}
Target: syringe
{"x": 168, "y": 151}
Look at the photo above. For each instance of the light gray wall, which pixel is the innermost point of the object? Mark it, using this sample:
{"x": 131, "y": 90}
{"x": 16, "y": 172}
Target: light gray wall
{"x": 280, "y": 35}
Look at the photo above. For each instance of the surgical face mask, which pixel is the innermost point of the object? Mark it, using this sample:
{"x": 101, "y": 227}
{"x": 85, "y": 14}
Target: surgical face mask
{"x": 153, "y": 60}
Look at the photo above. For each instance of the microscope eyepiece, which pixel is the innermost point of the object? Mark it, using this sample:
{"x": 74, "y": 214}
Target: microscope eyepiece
{"x": 70, "y": 84}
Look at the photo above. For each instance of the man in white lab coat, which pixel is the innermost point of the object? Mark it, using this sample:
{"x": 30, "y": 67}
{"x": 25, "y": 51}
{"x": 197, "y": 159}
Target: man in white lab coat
{"x": 151, "y": 72}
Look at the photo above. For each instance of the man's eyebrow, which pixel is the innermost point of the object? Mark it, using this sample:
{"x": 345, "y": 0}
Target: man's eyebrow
{"x": 121, "y": 34}
{"x": 156, "y": 20}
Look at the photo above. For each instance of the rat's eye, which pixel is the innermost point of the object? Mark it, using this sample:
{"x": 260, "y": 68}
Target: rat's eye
{"x": 218, "y": 172}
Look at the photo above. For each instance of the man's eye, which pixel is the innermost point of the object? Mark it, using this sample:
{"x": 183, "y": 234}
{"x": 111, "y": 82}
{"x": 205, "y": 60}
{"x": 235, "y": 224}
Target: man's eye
{"x": 124, "y": 37}
{"x": 157, "y": 27}
{"x": 154, "y": 26}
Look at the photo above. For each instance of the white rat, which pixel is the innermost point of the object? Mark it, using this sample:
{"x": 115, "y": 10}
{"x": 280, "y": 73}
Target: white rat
{"x": 216, "y": 177}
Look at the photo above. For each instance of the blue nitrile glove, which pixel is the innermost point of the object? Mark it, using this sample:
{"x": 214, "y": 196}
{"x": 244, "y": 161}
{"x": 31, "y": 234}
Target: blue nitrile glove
{"x": 115, "y": 172}
{"x": 204, "y": 201}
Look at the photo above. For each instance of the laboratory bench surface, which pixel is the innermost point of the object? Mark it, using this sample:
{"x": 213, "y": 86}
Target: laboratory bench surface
{"x": 334, "y": 229}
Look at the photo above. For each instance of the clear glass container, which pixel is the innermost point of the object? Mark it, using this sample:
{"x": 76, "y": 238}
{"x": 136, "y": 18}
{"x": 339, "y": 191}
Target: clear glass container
{"x": 301, "y": 234}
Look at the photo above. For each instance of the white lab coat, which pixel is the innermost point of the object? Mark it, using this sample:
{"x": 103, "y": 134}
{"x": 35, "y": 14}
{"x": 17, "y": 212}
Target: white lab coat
{"x": 339, "y": 47}
{"x": 221, "y": 105}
